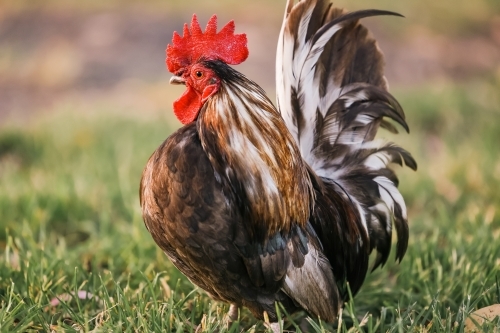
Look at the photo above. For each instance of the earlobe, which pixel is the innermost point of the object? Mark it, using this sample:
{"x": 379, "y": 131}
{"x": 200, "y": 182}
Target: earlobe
{"x": 209, "y": 91}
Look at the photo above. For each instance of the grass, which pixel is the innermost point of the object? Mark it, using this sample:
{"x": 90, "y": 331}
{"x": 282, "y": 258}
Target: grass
{"x": 71, "y": 223}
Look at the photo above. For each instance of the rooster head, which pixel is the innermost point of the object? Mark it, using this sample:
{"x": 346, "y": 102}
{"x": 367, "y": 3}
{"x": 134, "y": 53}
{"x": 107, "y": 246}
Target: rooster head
{"x": 186, "y": 58}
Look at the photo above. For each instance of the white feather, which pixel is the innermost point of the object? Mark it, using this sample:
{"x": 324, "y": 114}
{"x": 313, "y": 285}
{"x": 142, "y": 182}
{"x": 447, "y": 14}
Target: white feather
{"x": 381, "y": 207}
{"x": 378, "y": 160}
{"x": 390, "y": 194}
{"x": 284, "y": 80}
{"x": 358, "y": 96}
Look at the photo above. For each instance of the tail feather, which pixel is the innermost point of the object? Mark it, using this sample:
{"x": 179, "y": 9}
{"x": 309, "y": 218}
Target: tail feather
{"x": 332, "y": 94}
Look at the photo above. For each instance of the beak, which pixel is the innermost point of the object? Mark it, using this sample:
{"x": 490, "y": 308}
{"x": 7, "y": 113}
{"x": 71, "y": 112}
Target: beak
{"x": 177, "y": 80}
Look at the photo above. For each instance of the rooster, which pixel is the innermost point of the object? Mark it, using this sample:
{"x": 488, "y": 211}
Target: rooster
{"x": 258, "y": 204}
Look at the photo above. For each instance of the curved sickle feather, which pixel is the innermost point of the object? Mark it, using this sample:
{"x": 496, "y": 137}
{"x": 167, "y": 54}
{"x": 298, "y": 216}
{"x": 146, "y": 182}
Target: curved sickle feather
{"x": 333, "y": 96}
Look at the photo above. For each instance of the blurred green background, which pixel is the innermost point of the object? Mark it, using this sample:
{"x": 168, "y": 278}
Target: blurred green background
{"x": 85, "y": 100}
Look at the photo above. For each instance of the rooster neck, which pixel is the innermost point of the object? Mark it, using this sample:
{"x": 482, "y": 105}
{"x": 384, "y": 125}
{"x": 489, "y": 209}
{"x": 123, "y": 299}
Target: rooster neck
{"x": 253, "y": 153}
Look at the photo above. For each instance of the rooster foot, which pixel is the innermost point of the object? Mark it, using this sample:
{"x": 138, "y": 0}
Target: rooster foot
{"x": 274, "y": 327}
{"x": 230, "y": 317}
{"x": 232, "y": 314}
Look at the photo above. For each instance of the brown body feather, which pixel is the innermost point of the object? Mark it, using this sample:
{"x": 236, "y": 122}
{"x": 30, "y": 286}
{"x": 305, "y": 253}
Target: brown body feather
{"x": 197, "y": 222}
{"x": 193, "y": 220}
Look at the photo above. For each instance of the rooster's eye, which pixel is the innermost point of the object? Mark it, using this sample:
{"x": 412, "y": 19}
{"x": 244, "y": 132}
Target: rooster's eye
{"x": 199, "y": 74}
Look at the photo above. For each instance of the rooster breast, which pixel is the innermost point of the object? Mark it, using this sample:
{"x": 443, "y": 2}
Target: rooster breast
{"x": 195, "y": 222}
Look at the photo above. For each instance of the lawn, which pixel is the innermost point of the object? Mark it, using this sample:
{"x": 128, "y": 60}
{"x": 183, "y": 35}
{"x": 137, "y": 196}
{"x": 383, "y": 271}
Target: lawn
{"x": 71, "y": 225}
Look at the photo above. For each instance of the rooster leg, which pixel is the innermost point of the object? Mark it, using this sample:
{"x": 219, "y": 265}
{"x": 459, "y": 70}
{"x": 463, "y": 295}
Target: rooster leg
{"x": 232, "y": 314}
{"x": 274, "y": 327}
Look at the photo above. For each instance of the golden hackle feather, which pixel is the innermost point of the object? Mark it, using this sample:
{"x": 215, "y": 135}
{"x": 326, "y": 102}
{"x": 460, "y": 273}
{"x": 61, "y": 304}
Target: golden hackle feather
{"x": 249, "y": 144}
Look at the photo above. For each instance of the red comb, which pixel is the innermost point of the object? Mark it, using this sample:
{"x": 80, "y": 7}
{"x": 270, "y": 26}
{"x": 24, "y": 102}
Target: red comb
{"x": 195, "y": 44}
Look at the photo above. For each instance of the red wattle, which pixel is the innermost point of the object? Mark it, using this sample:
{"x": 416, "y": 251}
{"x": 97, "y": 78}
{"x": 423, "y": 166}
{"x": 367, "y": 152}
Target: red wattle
{"x": 186, "y": 108}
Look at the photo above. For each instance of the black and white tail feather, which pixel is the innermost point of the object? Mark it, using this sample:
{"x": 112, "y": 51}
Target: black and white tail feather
{"x": 333, "y": 96}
